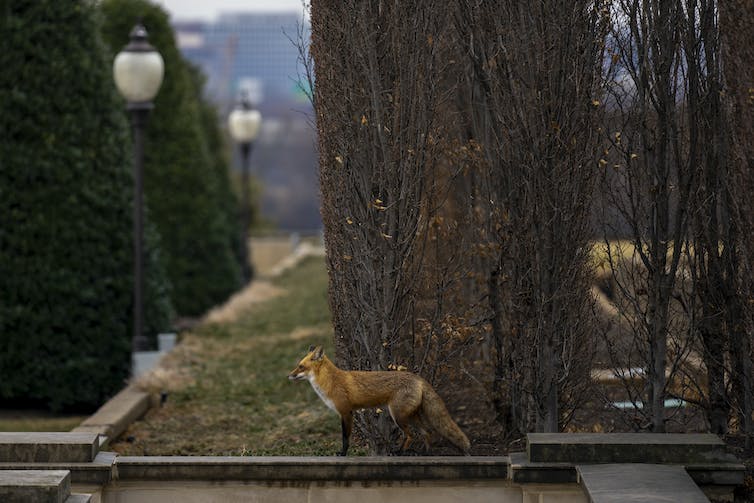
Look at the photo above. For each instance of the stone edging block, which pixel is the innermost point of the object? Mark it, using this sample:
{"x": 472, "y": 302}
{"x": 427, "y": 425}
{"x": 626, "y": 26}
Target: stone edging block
{"x": 48, "y": 447}
{"x": 117, "y": 414}
{"x": 33, "y": 486}
{"x": 663, "y": 448}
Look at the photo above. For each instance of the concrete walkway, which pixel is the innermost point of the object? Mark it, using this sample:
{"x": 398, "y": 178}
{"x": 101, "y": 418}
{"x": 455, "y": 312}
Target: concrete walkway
{"x": 632, "y": 467}
{"x": 638, "y": 483}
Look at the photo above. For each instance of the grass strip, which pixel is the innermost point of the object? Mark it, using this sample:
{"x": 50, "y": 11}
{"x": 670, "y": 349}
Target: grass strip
{"x": 228, "y": 387}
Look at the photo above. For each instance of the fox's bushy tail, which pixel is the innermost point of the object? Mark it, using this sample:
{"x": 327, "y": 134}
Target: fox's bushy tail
{"x": 434, "y": 413}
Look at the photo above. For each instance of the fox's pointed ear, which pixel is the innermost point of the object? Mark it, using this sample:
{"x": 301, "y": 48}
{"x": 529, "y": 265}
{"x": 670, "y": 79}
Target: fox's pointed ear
{"x": 311, "y": 348}
{"x": 318, "y": 353}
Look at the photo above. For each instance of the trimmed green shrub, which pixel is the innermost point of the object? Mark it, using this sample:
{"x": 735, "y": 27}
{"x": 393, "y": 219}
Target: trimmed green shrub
{"x": 218, "y": 150}
{"x": 65, "y": 212}
{"x": 181, "y": 184}
{"x": 158, "y": 304}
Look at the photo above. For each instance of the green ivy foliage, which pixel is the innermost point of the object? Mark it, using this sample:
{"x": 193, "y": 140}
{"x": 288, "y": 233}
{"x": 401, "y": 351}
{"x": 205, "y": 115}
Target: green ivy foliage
{"x": 183, "y": 188}
{"x": 65, "y": 212}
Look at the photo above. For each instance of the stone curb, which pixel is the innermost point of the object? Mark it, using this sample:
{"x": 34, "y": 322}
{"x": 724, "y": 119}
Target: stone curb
{"x": 116, "y": 414}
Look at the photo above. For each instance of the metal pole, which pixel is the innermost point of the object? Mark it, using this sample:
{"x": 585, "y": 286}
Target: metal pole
{"x": 245, "y": 213}
{"x": 139, "y": 113}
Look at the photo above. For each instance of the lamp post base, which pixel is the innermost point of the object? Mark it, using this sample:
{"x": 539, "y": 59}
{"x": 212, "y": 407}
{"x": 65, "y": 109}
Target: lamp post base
{"x": 140, "y": 343}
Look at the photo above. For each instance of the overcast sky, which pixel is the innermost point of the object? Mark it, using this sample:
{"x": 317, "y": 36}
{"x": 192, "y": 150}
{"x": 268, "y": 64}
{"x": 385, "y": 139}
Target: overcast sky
{"x": 208, "y": 9}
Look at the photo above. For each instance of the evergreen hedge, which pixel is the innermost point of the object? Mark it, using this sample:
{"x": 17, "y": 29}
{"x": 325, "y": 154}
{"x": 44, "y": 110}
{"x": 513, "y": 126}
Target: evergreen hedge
{"x": 65, "y": 212}
{"x": 227, "y": 200}
{"x": 183, "y": 191}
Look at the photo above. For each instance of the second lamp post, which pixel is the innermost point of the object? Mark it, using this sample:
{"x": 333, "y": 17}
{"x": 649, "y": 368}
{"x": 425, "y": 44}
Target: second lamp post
{"x": 244, "y": 124}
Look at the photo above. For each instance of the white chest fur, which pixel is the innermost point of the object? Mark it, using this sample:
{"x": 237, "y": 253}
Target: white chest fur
{"x": 321, "y": 393}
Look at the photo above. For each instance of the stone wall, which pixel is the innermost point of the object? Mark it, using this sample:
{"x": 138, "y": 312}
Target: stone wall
{"x": 564, "y": 468}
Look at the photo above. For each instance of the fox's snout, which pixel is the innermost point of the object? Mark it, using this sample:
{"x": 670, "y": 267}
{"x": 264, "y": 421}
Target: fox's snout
{"x": 301, "y": 371}
{"x": 295, "y": 375}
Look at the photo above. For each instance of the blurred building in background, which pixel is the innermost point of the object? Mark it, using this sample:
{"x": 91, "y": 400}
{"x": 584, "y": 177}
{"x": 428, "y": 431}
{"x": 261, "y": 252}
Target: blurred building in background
{"x": 257, "y": 53}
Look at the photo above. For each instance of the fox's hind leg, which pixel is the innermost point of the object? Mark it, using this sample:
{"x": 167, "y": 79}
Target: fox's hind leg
{"x": 403, "y": 409}
{"x": 421, "y": 425}
{"x": 402, "y": 420}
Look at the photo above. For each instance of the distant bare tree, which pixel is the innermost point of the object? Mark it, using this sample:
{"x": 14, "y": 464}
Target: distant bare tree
{"x": 648, "y": 178}
{"x": 673, "y": 172}
{"x": 713, "y": 249}
{"x": 535, "y": 75}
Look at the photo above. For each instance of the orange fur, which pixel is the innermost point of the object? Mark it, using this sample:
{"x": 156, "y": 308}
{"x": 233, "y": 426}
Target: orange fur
{"x": 409, "y": 398}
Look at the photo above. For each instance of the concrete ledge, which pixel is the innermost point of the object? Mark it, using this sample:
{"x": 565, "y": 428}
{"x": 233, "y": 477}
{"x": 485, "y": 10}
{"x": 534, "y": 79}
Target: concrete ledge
{"x": 98, "y": 472}
{"x": 57, "y": 447}
{"x": 116, "y": 414}
{"x": 523, "y": 471}
{"x": 721, "y": 474}
{"x": 24, "y": 486}
{"x": 79, "y": 498}
{"x": 663, "y": 448}
{"x": 209, "y": 468}
{"x": 620, "y": 483}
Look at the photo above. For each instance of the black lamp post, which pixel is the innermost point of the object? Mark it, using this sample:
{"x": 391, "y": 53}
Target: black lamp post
{"x": 138, "y": 70}
{"x": 244, "y": 123}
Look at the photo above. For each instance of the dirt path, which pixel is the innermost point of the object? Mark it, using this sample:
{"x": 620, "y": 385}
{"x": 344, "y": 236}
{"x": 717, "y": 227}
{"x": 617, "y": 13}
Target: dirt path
{"x": 261, "y": 289}
{"x": 256, "y": 292}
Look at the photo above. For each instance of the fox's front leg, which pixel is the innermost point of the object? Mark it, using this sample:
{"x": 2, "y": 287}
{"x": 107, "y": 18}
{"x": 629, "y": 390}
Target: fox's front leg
{"x": 346, "y": 424}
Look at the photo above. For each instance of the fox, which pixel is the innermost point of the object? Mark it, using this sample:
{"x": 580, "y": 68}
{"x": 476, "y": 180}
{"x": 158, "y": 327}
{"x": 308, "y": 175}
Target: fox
{"x": 409, "y": 398}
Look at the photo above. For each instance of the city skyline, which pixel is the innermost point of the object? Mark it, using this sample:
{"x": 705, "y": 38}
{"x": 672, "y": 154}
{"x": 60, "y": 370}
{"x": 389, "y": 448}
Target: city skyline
{"x": 253, "y": 52}
{"x": 210, "y": 10}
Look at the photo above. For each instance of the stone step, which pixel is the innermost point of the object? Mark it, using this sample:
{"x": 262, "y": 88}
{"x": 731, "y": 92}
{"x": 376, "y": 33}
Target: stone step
{"x": 638, "y": 483}
{"x": 585, "y": 448}
{"x": 55, "y": 447}
{"x": 35, "y": 486}
{"x": 79, "y": 498}
{"x": 97, "y": 472}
